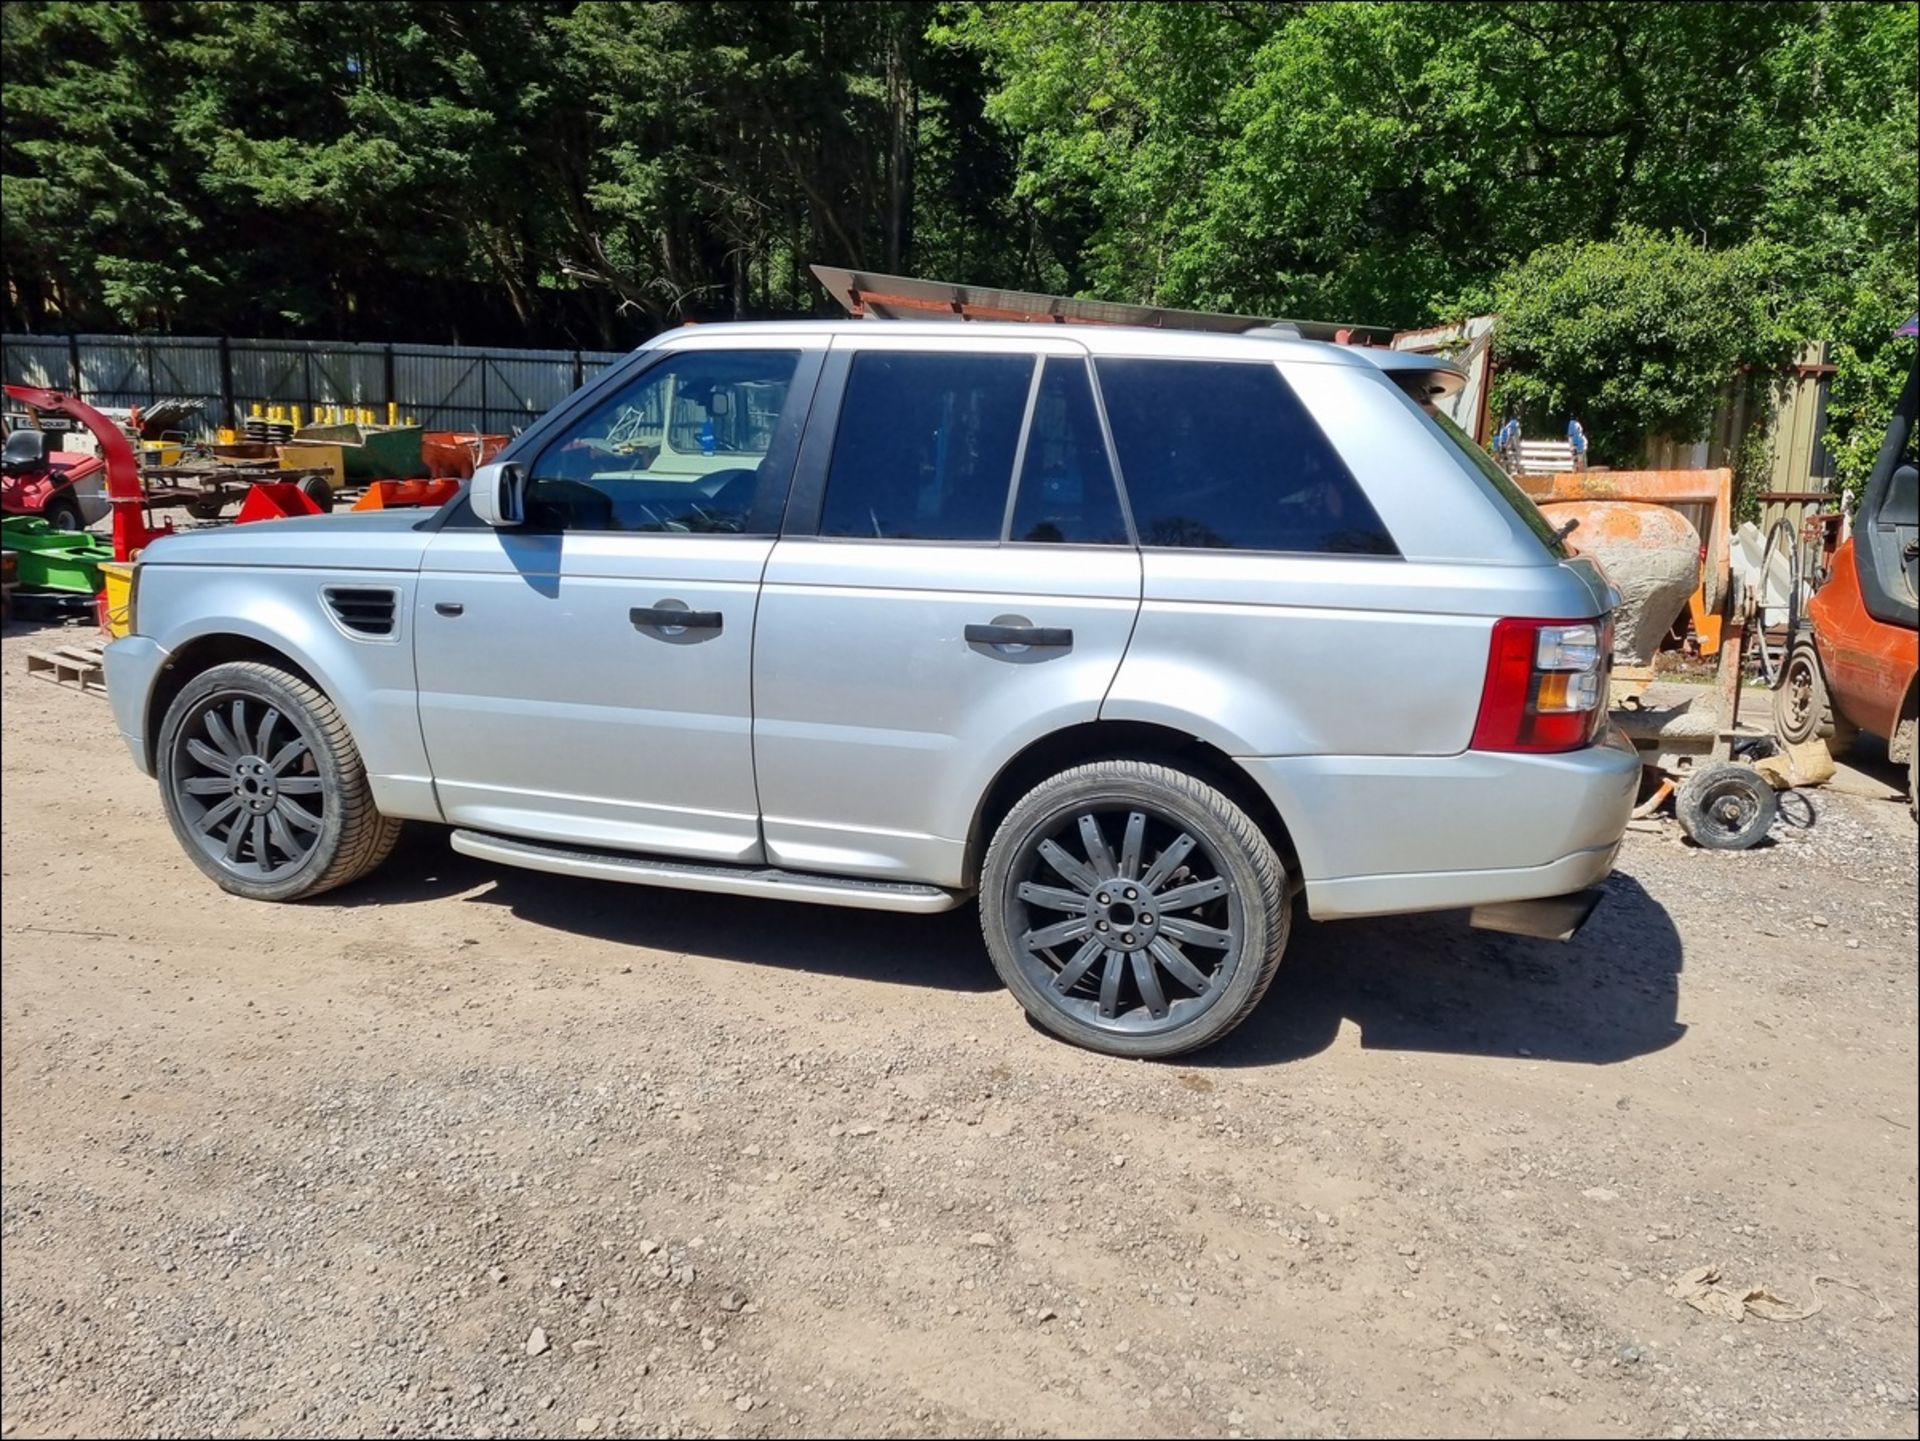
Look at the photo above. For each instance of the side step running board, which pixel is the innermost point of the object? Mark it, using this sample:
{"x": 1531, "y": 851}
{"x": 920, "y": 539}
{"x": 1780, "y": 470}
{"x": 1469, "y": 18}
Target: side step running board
{"x": 763, "y": 881}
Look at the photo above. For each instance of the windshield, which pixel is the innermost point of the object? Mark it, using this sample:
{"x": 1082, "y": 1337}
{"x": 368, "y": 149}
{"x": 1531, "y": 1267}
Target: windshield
{"x": 1517, "y": 499}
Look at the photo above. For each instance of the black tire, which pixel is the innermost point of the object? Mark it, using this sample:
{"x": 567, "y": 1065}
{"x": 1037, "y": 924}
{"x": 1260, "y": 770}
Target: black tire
{"x": 275, "y": 768}
{"x": 1803, "y": 707}
{"x": 316, "y": 489}
{"x": 62, "y": 512}
{"x": 1192, "y": 846}
{"x": 1726, "y": 806}
{"x": 207, "y": 509}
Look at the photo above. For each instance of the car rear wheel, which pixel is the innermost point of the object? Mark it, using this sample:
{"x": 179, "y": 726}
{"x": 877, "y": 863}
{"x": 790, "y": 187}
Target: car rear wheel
{"x": 1134, "y": 909}
{"x": 264, "y": 787}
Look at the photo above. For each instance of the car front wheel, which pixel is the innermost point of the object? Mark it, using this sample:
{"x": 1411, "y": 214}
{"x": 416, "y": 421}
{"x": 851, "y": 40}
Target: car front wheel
{"x": 264, "y": 787}
{"x": 1133, "y": 908}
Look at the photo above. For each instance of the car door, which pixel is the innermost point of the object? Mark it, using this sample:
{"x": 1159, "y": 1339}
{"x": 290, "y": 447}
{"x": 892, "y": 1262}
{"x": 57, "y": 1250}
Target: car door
{"x": 586, "y": 677}
{"x": 955, "y": 579}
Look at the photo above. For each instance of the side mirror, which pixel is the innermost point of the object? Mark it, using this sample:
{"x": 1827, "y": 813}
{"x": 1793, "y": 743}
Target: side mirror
{"x": 499, "y": 493}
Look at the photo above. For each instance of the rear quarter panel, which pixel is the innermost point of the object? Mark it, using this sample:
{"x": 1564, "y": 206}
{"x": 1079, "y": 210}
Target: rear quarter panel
{"x": 1279, "y": 655}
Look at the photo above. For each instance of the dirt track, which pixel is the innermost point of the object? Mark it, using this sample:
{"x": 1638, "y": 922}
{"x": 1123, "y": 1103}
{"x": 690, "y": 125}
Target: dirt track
{"x": 761, "y": 1169}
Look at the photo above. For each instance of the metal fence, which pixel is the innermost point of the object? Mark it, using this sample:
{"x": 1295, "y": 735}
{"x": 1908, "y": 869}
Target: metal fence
{"x": 445, "y": 387}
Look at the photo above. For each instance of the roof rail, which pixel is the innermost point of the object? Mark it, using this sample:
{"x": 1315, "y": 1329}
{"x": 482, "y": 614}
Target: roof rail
{"x": 870, "y": 296}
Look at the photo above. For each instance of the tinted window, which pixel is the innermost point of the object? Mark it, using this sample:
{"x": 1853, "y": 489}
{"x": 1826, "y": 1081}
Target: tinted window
{"x": 1518, "y": 501}
{"x": 925, "y": 446}
{"x": 1223, "y": 454}
{"x": 1066, "y": 486}
{"x": 678, "y": 450}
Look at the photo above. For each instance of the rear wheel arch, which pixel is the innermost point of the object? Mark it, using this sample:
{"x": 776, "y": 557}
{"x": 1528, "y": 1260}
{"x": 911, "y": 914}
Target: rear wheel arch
{"x": 1090, "y": 741}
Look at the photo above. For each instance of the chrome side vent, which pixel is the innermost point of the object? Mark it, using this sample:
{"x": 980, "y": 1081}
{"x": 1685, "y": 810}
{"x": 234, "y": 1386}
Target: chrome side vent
{"x": 363, "y": 610}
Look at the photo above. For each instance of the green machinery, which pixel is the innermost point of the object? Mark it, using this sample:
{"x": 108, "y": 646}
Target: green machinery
{"x": 49, "y": 559}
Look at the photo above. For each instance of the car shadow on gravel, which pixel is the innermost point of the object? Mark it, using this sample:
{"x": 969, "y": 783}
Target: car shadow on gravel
{"x": 1415, "y": 983}
{"x": 1432, "y": 983}
{"x": 940, "y": 951}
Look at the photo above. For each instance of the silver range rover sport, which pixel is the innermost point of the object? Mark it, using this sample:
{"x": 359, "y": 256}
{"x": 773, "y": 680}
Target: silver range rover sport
{"x": 1134, "y": 636}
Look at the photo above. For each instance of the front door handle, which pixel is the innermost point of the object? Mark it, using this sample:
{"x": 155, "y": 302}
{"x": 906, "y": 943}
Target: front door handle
{"x": 1034, "y": 635}
{"x": 665, "y": 617}
{"x": 449, "y": 607}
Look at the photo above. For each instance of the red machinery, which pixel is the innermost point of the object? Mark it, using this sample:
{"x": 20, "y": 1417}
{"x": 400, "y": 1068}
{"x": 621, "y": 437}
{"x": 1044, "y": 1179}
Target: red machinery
{"x": 132, "y": 530}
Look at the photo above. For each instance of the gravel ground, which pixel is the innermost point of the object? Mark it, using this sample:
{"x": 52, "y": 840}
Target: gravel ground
{"x": 466, "y": 1151}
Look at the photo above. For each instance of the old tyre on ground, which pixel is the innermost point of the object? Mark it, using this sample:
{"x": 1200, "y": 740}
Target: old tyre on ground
{"x": 1725, "y": 806}
{"x": 1133, "y": 908}
{"x": 63, "y": 512}
{"x": 264, "y": 787}
{"x": 1803, "y": 708}
{"x": 317, "y": 490}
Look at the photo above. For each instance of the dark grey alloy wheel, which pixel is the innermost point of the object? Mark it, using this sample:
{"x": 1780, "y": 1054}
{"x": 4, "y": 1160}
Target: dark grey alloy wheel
{"x": 248, "y": 785}
{"x": 265, "y": 788}
{"x": 1133, "y": 908}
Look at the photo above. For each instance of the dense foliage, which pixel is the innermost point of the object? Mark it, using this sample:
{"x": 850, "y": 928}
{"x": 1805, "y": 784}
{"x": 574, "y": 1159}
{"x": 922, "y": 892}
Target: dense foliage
{"x": 1609, "y": 174}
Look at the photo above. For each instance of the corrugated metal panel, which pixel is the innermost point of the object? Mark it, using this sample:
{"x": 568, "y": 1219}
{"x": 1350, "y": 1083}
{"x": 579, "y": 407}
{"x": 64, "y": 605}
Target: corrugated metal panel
{"x": 126, "y": 370}
{"x": 445, "y": 387}
{"x": 1798, "y": 417}
{"x": 308, "y": 373}
{"x": 35, "y": 360}
{"x": 498, "y": 391}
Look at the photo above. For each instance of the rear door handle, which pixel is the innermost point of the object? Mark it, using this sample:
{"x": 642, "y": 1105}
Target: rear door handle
{"x": 1034, "y": 635}
{"x": 645, "y": 617}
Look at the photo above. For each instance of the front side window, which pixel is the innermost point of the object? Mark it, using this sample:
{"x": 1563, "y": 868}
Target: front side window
{"x": 678, "y": 450}
{"x": 925, "y": 446}
{"x": 1223, "y": 455}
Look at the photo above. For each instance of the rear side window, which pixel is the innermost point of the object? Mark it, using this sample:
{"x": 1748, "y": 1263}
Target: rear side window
{"x": 925, "y": 446}
{"x": 1066, "y": 485}
{"x": 1518, "y": 501}
{"x": 1222, "y": 455}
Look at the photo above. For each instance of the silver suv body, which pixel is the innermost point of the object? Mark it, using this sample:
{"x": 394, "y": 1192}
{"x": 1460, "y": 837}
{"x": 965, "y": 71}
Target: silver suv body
{"x": 1135, "y": 634}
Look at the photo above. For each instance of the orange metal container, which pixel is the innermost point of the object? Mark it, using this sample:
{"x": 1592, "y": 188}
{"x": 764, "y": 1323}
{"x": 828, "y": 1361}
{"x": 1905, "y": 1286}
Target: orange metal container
{"x": 458, "y": 452}
{"x": 396, "y": 494}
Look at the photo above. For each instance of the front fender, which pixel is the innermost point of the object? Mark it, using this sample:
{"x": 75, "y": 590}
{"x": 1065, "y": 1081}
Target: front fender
{"x": 370, "y": 680}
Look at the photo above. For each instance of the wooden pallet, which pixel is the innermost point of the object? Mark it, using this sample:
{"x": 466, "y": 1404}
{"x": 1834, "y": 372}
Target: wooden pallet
{"x": 81, "y": 666}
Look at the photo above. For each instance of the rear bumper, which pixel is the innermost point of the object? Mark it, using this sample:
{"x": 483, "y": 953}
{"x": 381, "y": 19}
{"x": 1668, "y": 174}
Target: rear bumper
{"x": 133, "y": 664}
{"x": 1380, "y": 834}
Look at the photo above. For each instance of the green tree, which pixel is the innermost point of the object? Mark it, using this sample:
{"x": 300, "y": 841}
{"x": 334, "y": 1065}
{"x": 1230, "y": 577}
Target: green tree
{"x": 1631, "y": 336}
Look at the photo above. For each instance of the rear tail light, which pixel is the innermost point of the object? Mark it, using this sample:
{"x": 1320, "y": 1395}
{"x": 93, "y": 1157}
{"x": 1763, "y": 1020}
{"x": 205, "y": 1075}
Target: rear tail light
{"x": 1546, "y": 685}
